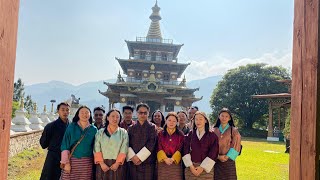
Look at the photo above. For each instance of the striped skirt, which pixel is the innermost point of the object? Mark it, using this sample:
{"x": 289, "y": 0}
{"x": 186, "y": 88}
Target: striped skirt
{"x": 204, "y": 175}
{"x": 119, "y": 174}
{"x": 81, "y": 169}
{"x": 225, "y": 170}
{"x": 141, "y": 172}
{"x": 166, "y": 172}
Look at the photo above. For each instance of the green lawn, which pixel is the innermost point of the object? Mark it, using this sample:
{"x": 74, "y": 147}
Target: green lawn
{"x": 255, "y": 163}
{"x": 26, "y": 165}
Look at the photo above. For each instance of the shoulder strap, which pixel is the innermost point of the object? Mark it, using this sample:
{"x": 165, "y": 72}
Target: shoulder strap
{"x": 79, "y": 141}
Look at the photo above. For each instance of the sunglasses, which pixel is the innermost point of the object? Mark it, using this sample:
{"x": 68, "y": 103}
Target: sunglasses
{"x": 98, "y": 115}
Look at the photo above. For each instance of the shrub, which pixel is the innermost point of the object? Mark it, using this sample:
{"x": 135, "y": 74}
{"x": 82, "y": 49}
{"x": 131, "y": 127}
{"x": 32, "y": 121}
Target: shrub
{"x": 253, "y": 133}
{"x": 286, "y": 130}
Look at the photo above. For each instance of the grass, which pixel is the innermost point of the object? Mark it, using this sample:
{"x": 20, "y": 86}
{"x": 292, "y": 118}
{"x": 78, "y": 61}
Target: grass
{"x": 26, "y": 165}
{"x": 253, "y": 163}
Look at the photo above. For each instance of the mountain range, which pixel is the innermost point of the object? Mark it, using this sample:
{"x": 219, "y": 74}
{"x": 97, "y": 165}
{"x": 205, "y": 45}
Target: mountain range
{"x": 43, "y": 93}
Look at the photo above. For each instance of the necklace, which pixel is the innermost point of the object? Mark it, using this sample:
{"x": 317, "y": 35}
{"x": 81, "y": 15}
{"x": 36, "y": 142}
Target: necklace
{"x": 170, "y": 132}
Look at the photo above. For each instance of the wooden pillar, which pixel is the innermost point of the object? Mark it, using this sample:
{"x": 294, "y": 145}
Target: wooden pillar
{"x": 270, "y": 124}
{"x": 8, "y": 43}
{"x": 305, "y": 113}
{"x": 279, "y": 119}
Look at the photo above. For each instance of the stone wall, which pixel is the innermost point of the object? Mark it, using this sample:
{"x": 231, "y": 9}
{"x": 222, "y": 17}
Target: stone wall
{"x": 25, "y": 140}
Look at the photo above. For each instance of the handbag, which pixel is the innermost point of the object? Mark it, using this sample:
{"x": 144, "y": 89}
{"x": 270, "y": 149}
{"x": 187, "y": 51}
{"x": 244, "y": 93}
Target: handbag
{"x": 74, "y": 148}
{"x": 240, "y": 144}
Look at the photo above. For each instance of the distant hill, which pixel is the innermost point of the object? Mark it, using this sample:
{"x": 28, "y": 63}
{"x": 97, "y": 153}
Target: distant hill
{"x": 42, "y": 93}
{"x": 206, "y": 86}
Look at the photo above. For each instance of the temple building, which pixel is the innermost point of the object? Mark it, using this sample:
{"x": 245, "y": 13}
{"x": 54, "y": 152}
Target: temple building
{"x": 152, "y": 71}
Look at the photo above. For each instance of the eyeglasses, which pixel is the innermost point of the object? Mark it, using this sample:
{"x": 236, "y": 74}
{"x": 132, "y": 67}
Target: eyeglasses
{"x": 98, "y": 115}
{"x": 143, "y": 113}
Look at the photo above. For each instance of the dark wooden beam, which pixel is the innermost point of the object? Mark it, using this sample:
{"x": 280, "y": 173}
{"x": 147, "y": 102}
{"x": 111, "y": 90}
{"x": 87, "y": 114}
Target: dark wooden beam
{"x": 305, "y": 91}
{"x": 8, "y": 42}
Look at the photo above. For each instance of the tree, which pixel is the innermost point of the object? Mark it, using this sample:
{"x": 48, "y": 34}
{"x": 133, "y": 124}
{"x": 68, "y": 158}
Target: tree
{"x": 18, "y": 93}
{"x": 238, "y": 85}
{"x": 286, "y": 130}
{"x": 18, "y": 90}
{"x": 28, "y": 104}
{"x": 15, "y": 106}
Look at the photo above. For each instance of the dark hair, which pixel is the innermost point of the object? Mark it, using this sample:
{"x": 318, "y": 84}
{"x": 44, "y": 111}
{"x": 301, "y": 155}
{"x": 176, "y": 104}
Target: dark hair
{"x": 162, "y": 118}
{"x": 183, "y": 113}
{"x": 99, "y": 109}
{"x": 165, "y": 126}
{"x": 206, "y": 127}
{"x": 143, "y": 105}
{"x": 107, "y": 121}
{"x": 127, "y": 107}
{"x": 76, "y": 116}
{"x": 62, "y": 104}
{"x": 218, "y": 122}
{"x": 194, "y": 107}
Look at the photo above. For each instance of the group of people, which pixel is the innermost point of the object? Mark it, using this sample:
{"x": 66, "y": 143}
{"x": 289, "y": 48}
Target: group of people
{"x": 180, "y": 145}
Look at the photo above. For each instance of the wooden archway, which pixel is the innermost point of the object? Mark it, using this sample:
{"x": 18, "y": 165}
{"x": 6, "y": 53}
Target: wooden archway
{"x": 305, "y": 136}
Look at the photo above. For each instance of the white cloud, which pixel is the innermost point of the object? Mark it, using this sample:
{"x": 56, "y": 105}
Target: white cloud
{"x": 220, "y": 65}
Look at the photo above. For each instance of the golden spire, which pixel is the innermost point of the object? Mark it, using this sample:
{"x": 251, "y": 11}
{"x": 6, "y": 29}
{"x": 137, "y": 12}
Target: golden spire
{"x": 154, "y": 29}
{"x": 35, "y": 107}
{"x": 152, "y": 77}
{"x": 21, "y": 103}
{"x": 152, "y": 67}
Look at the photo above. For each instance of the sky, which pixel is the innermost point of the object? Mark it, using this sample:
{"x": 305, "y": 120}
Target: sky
{"x": 76, "y": 41}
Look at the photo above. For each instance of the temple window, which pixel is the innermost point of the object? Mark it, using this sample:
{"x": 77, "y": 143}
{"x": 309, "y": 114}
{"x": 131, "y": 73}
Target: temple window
{"x": 138, "y": 75}
{"x": 131, "y": 103}
{"x": 142, "y": 55}
{"x": 169, "y": 107}
{"x": 164, "y": 57}
{"x": 153, "y": 56}
{"x": 166, "y": 77}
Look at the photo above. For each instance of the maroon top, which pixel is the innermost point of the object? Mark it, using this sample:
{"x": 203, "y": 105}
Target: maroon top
{"x": 207, "y": 146}
{"x": 170, "y": 143}
{"x": 125, "y": 126}
{"x": 144, "y": 135}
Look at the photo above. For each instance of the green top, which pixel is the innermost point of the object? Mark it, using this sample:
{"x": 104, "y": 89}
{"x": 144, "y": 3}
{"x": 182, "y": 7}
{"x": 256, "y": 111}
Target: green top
{"x": 73, "y": 134}
{"x": 112, "y": 146}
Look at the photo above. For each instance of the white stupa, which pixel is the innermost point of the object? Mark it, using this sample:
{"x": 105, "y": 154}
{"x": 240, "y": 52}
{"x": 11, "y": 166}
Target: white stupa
{"x": 21, "y": 123}
{"x": 44, "y": 116}
{"x": 36, "y": 123}
{"x": 11, "y": 132}
{"x": 51, "y": 115}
